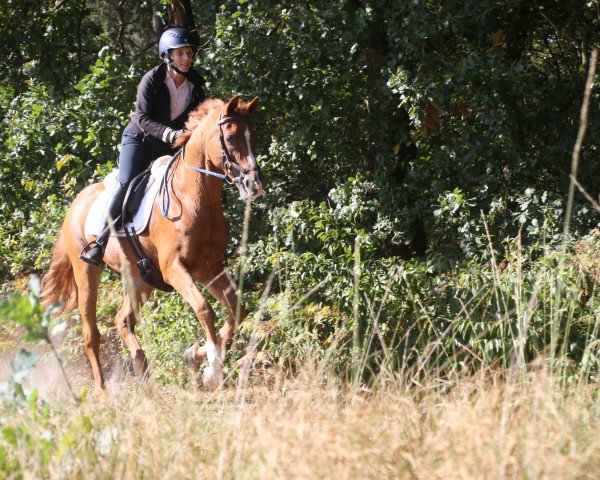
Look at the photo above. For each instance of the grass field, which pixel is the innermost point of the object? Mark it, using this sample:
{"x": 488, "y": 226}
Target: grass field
{"x": 314, "y": 426}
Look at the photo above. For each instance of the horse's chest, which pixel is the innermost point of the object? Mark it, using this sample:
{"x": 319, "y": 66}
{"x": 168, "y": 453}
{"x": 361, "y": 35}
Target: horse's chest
{"x": 204, "y": 249}
{"x": 202, "y": 257}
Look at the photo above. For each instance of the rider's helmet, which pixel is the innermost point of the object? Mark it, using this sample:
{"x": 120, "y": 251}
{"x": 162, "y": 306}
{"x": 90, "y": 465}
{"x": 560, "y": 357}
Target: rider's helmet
{"x": 177, "y": 37}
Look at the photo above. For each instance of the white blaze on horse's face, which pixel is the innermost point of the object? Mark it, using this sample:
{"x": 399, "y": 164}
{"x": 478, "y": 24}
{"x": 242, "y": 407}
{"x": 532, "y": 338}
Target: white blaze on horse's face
{"x": 254, "y": 185}
{"x": 251, "y": 159}
{"x": 250, "y": 180}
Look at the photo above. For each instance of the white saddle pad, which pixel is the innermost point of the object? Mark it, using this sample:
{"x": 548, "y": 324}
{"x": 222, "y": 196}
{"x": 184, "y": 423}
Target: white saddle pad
{"x": 141, "y": 218}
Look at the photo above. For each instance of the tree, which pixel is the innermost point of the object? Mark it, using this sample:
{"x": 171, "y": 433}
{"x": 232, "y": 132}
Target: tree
{"x": 180, "y": 14}
{"x": 440, "y": 112}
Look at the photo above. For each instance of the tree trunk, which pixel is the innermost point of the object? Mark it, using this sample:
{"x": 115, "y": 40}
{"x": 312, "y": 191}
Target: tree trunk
{"x": 180, "y": 14}
{"x": 157, "y": 23}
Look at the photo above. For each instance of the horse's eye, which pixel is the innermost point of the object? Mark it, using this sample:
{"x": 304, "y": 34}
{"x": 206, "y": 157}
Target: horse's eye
{"x": 230, "y": 138}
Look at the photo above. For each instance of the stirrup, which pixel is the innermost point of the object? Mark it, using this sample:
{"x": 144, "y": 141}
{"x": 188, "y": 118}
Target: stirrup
{"x": 87, "y": 248}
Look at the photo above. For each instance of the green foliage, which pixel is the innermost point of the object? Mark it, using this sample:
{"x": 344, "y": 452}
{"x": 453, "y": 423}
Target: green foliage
{"x": 43, "y": 40}
{"x": 45, "y": 442}
{"x": 455, "y": 100}
{"x": 42, "y": 443}
{"x": 476, "y": 314}
{"x": 475, "y": 84}
{"x": 28, "y": 312}
{"x": 169, "y": 327}
{"x": 50, "y": 155}
{"x": 435, "y": 137}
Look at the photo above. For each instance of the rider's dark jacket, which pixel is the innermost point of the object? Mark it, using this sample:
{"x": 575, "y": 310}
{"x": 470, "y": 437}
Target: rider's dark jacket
{"x": 153, "y": 103}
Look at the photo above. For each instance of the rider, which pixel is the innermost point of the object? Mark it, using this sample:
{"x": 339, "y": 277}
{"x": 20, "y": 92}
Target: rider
{"x": 165, "y": 97}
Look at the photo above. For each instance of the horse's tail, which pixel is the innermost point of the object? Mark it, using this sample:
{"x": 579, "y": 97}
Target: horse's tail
{"x": 58, "y": 285}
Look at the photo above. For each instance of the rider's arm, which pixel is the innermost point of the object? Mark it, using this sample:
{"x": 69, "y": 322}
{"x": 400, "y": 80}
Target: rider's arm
{"x": 147, "y": 107}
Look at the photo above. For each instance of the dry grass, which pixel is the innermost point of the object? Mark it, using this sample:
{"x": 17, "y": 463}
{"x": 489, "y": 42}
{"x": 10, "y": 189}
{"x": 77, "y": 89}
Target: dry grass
{"x": 475, "y": 427}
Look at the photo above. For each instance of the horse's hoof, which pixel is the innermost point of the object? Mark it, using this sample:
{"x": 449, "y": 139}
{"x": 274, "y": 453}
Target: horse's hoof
{"x": 99, "y": 393}
{"x": 190, "y": 354}
{"x": 211, "y": 378}
{"x": 194, "y": 355}
{"x": 140, "y": 364}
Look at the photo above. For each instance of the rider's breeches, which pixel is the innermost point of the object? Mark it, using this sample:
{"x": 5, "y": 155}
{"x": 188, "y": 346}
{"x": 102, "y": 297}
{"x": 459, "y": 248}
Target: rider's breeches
{"x": 137, "y": 152}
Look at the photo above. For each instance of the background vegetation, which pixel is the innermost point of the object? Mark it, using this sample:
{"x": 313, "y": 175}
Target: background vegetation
{"x": 418, "y": 157}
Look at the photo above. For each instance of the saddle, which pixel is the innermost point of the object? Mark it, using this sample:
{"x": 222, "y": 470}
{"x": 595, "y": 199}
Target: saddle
{"x": 135, "y": 194}
{"x": 142, "y": 193}
{"x": 135, "y": 216}
{"x": 133, "y": 199}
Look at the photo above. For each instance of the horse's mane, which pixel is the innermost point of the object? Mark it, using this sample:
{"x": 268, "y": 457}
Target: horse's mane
{"x": 201, "y": 111}
{"x": 196, "y": 117}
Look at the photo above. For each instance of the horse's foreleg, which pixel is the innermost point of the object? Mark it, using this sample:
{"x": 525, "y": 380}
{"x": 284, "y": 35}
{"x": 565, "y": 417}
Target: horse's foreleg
{"x": 222, "y": 288}
{"x": 88, "y": 280}
{"x": 126, "y": 320}
{"x": 177, "y": 276}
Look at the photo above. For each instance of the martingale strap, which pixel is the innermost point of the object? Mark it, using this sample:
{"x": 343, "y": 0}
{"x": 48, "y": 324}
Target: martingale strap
{"x": 164, "y": 185}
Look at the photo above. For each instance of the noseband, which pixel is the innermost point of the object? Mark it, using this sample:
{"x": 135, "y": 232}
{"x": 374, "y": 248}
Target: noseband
{"x": 227, "y": 162}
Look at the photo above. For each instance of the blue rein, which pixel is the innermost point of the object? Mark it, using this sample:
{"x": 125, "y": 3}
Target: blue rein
{"x": 164, "y": 184}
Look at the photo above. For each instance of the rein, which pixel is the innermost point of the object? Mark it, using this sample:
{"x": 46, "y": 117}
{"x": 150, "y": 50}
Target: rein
{"x": 220, "y": 176}
{"x": 226, "y": 164}
{"x": 164, "y": 185}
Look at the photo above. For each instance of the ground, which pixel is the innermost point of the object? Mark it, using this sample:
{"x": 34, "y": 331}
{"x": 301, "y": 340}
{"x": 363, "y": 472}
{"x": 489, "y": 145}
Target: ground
{"x": 47, "y": 375}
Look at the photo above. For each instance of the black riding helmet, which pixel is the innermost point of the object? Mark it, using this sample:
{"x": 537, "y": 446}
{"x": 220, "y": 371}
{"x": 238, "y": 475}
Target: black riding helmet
{"x": 176, "y": 37}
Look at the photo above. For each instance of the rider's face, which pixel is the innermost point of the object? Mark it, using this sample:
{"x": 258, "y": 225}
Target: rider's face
{"x": 183, "y": 58}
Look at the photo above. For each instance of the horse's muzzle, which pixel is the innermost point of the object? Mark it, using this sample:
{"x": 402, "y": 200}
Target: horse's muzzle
{"x": 250, "y": 185}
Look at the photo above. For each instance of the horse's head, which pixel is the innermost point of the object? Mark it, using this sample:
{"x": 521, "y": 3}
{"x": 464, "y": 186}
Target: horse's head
{"x": 235, "y": 146}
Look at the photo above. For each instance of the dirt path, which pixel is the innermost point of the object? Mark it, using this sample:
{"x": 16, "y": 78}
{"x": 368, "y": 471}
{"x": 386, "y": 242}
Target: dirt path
{"x": 47, "y": 375}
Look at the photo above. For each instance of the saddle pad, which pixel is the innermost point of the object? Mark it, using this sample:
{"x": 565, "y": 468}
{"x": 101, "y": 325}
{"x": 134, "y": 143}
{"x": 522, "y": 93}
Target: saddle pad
{"x": 141, "y": 218}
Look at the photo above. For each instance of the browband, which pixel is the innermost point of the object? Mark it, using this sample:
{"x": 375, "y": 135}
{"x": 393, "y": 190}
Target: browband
{"x": 241, "y": 118}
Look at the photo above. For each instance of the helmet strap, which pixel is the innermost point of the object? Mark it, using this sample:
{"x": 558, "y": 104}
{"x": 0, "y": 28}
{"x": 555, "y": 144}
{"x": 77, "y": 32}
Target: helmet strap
{"x": 171, "y": 65}
{"x": 169, "y": 62}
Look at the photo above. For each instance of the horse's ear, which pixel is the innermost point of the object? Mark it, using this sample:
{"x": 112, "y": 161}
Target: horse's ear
{"x": 252, "y": 105}
{"x": 231, "y": 106}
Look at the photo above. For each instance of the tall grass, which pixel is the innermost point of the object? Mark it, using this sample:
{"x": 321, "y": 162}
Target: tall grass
{"x": 312, "y": 426}
{"x": 464, "y": 417}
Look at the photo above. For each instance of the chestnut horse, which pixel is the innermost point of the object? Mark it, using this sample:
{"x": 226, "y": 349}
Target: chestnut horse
{"x": 187, "y": 245}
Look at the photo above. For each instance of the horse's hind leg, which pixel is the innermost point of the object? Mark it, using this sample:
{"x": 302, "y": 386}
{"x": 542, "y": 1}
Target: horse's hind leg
{"x": 126, "y": 320}
{"x": 87, "y": 279}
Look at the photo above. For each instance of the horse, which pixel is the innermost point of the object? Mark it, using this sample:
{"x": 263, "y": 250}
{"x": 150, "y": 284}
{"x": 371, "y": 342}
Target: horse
{"x": 187, "y": 245}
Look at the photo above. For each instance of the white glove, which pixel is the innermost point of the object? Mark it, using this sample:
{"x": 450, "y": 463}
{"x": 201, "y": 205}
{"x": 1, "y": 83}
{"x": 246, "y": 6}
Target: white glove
{"x": 170, "y": 135}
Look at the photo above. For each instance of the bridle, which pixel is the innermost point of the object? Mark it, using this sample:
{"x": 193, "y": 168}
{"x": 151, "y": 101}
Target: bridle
{"x": 227, "y": 162}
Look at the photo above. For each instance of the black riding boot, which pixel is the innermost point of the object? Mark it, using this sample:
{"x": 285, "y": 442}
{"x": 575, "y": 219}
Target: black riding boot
{"x": 96, "y": 253}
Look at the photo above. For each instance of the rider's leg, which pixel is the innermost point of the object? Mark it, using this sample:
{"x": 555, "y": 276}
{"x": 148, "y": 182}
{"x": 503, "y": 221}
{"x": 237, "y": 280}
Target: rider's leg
{"x": 134, "y": 158}
{"x": 95, "y": 254}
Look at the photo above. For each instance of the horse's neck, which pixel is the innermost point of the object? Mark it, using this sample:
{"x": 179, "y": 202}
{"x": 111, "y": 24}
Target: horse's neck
{"x": 201, "y": 193}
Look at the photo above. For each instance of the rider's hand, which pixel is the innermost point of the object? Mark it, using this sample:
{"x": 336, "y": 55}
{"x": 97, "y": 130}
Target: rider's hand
{"x": 173, "y": 135}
